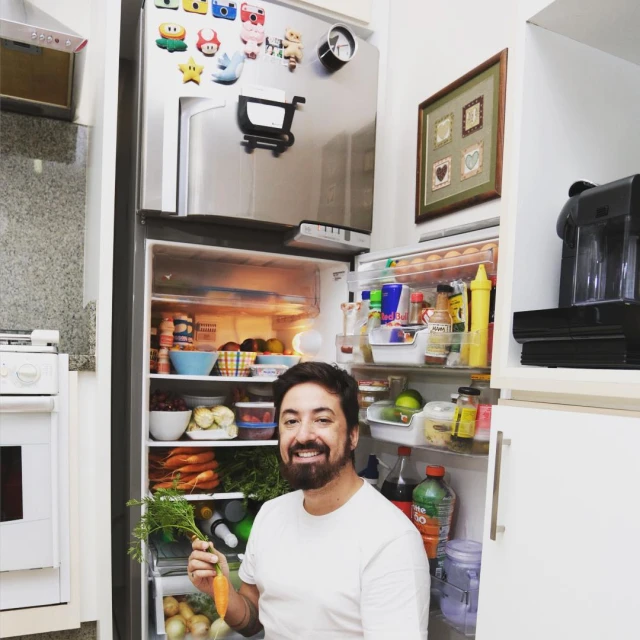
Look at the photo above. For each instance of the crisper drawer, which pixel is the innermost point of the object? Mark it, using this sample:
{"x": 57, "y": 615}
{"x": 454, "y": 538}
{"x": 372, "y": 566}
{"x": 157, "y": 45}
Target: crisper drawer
{"x": 180, "y": 588}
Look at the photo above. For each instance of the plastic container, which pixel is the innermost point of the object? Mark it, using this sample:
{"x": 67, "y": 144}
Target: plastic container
{"x": 193, "y": 363}
{"x": 438, "y": 417}
{"x": 394, "y": 345}
{"x": 353, "y": 349}
{"x": 234, "y": 363}
{"x": 462, "y": 573}
{"x": 256, "y": 432}
{"x": 277, "y": 359}
{"x": 487, "y": 398}
{"x": 410, "y": 433}
{"x": 267, "y": 370}
{"x": 260, "y": 392}
{"x": 255, "y": 414}
{"x": 402, "y": 480}
{"x": 370, "y": 391}
{"x": 203, "y": 401}
{"x": 432, "y": 510}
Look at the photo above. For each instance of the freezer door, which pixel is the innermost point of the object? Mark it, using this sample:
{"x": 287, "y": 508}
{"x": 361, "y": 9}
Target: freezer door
{"x": 194, "y": 158}
{"x": 560, "y": 557}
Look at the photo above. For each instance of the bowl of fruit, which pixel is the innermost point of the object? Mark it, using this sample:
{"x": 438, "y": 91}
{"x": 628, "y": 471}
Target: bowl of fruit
{"x": 168, "y": 416}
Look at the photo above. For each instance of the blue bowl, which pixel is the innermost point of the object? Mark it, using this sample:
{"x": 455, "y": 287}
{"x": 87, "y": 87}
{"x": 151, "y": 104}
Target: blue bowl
{"x": 193, "y": 363}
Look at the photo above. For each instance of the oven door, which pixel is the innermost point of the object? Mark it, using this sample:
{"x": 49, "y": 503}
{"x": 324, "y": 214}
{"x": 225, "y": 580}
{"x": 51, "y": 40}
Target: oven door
{"x": 29, "y": 527}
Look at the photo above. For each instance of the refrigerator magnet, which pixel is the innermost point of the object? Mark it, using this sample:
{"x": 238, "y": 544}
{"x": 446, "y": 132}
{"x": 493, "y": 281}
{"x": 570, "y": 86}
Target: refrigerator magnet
{"x": 172, "y": 37}
{"x": 224, "y": 10}
{"x": 196, "y": 6}
{"x": 293, "y": 48}
{"x": 253, "y": 36}
{"x": 252, "y": 13}
{"x": 208, "y": 43}
{"x": 230, "y": 68}
{"x": 273, "y": 48}
{"x": 191, "y": 71}
{"x": 167, "y": 4}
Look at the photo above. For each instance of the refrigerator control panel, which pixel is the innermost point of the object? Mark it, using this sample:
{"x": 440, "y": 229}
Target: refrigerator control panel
{"x": 313, "y": 236}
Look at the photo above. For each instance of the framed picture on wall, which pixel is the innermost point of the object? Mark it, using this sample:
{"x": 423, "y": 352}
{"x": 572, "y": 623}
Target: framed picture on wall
{"x": 460, "y": 141}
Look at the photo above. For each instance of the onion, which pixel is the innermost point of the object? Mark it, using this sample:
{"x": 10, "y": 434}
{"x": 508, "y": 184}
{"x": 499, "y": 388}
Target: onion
{"x": 170, "y": 606}
{"x": 176, "y": 628}
{"x": 199, "y": 626}
{"x": 220, "y": 629}
{"x": 186, "y": 611}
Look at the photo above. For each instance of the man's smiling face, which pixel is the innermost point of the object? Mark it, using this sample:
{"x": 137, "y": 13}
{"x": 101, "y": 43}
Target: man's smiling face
{"x": 315, "y": 441}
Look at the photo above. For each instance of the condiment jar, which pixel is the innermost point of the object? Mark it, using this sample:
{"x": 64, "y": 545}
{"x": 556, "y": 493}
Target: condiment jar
{"x": 488, "y": 397}
{"x": 370, "y": 391}
{"x": 439, "y": 343}
{"x": 415, "y": 308}
{"x": 464, "y": 420}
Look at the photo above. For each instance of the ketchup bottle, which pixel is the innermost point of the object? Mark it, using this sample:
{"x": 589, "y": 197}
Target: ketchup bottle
{"x": 402, "y": 480}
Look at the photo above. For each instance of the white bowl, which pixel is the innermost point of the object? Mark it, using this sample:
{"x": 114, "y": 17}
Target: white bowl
{"x": 203, "y": 401}
{"x": 168, "y": 425}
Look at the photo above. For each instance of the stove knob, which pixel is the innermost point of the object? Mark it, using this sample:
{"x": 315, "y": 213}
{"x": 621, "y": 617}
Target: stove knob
{"x": 27, "y": 373}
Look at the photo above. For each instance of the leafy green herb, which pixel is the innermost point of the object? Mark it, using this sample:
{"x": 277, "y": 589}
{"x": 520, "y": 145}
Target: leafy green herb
{"x": 167, "y": 511}
{"x": 253, "y": 471}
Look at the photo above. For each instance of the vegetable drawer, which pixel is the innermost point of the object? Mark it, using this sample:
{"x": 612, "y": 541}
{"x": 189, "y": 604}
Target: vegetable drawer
{"x": 180, "y": 588}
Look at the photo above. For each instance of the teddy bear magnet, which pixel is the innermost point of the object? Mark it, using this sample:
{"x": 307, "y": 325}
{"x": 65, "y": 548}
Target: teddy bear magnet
{"x": 293, "y": 47}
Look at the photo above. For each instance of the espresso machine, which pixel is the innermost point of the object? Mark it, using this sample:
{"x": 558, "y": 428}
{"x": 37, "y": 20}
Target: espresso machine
{"x": 597, "y": 322}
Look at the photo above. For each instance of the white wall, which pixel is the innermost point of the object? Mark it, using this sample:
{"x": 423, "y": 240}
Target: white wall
{"x": 430, "y": 45}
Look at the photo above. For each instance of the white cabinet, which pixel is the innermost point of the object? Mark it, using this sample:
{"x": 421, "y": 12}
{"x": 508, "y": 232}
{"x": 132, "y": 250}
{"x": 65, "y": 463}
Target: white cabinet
{"x": 567, "y": 563}
{"x": 575, "y": 110}
{"x": 359, "y": 11}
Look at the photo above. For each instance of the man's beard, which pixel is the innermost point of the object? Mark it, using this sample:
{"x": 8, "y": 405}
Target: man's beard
{"x": 313, "y": 475}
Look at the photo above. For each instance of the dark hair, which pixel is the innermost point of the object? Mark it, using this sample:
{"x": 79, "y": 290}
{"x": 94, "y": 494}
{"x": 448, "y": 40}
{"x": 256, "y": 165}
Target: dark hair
{"x": 331, "y": 377}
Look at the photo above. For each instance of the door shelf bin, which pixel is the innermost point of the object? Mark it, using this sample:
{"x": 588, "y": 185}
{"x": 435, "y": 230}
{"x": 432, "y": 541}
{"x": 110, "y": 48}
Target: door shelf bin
{"x": 410, "y": 433}
{"x": 353, "y": 349}
{"x": 456, "y": 607}
{"x": 427, "y": 269}
{"x": 407, "y": 345}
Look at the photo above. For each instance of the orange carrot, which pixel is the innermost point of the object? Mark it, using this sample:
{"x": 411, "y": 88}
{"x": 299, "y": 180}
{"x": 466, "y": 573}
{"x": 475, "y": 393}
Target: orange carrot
{"x": 175, "y": 462}
{"x": 196, "y": 468}
{"x": 183, "y": 451}
{"x": 220, "y": 592}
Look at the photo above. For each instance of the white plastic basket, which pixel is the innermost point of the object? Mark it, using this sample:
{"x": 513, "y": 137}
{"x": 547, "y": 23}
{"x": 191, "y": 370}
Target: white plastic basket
{"x": 411, "y": 351}
{"x": 411, "y": 434}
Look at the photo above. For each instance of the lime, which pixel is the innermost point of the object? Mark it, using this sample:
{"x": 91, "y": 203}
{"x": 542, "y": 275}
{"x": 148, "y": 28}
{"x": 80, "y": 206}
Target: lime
{"x": 410, "y": 399}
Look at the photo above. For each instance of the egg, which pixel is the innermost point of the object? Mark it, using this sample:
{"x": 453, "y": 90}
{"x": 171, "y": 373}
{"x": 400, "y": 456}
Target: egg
{"x": 469, "y": 262}
{"x": 416, "y": 269}
{"x": 451, "y": 265}
{"x": 400, "y": 271}
{"x": 492, "y": 269}
{"x": 434, "y": 265}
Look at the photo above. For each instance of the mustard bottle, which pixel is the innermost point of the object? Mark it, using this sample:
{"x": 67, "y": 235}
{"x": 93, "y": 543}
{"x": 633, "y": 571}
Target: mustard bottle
{"x": 480, "y": 296}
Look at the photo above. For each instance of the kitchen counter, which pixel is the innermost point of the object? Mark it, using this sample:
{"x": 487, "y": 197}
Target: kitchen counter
{"x": 42, "y": 227}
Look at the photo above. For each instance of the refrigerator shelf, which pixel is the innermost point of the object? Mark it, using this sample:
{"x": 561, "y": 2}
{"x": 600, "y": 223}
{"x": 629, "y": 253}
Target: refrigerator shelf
{"x": 237, "y": 303}
{"x": 194, "y": 497}
{"x": 251, "y": 379}
{"x": 422, "y": 271}
{"x": 212, "y": 443}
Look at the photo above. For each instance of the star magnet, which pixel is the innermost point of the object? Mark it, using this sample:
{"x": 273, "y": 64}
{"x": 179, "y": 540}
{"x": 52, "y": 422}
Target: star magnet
{"x": 191, "y": 71}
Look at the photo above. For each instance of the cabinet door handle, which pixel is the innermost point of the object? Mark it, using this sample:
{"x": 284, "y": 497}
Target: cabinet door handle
{"x": 501, "y": 441}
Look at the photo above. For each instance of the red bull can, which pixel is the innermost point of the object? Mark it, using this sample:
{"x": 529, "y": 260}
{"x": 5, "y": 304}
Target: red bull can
{"x": 395, "y": 305}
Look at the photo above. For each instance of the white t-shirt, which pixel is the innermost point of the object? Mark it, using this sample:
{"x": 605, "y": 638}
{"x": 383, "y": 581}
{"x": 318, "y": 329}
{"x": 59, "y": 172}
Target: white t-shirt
{"x": 360, "y": 572}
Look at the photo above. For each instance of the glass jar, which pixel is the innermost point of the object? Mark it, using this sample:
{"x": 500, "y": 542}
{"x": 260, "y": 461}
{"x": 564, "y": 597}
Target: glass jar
{"x": 488, "y": 397}
{"x": 370, "y": 391}
{"x": 464, "y": 420}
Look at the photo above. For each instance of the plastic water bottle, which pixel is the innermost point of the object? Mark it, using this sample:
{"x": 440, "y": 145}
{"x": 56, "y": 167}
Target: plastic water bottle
{"x": 431, "y": 512}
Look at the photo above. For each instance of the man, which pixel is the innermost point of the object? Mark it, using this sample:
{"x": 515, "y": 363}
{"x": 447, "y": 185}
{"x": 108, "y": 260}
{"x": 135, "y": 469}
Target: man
{"x": 334, "y": 559}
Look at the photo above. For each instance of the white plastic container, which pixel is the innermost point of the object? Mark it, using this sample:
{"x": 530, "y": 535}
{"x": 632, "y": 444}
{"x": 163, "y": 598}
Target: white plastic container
{"x": 411, "y": 434}
{"x": 409, "y": 351}
{"x": 203, "y": 401}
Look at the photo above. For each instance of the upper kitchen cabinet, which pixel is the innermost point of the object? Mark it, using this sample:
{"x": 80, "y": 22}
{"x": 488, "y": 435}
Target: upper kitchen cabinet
{"x": 357, "y": 11}
{"x": 574, "y": 99}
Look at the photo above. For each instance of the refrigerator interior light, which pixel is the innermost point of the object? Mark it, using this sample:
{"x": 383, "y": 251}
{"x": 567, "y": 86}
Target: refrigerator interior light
{"x": 307, "y": 343}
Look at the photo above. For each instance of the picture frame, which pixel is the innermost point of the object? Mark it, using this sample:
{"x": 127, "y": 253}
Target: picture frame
{"x": 461, "y": 141}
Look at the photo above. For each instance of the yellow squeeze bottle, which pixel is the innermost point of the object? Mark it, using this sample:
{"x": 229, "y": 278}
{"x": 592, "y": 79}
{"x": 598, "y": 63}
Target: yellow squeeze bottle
{"x": 480, "y": 295}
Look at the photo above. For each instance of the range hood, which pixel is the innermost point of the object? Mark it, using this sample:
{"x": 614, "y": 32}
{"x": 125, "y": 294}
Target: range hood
{"x": 37, "y": 61}
{"x": 20, "y": 21}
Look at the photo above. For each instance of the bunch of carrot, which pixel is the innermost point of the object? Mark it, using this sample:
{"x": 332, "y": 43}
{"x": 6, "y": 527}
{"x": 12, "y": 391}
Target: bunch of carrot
{"x": 193, "y": 467}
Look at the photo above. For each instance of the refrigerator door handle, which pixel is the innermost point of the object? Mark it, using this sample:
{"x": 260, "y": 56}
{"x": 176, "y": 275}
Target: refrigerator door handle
{"x": 187, "y": 108}
{"x": 496, "y": 528}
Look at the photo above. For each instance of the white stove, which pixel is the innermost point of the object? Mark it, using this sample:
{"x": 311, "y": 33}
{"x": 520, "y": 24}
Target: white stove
{"x": 34, "y": 470}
